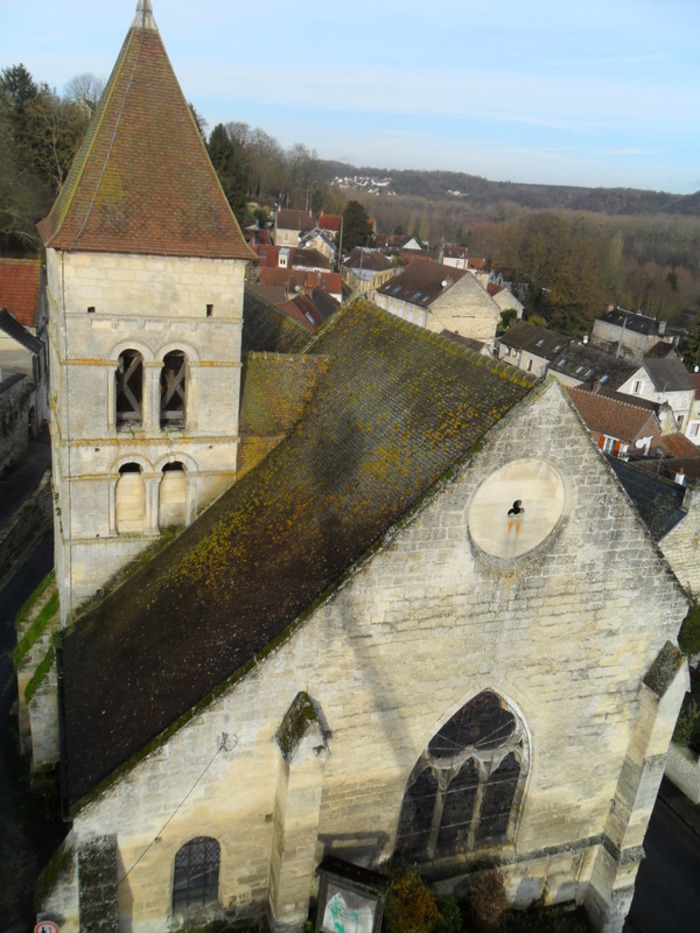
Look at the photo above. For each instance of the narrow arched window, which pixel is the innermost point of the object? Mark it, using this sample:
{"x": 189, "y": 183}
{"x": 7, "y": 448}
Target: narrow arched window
{"x": 130, "y": 500}
{"x": 173, "y": 390}
{"x": 172, "y": 496}
{"x": 196, "y": 874}
{"x": 129, "y": 389}
{"x": 463, "y": 792}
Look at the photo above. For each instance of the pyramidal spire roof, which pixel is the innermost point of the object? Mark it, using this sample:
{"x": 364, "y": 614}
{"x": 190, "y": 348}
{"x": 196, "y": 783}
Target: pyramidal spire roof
{"x": 142, "y": 181}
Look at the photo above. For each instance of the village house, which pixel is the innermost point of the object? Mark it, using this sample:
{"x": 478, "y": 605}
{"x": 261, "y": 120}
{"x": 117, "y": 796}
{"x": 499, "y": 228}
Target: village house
{"x": 323, "y": 242}
{"x": 291, "y": 225}
{"x": 664, "y": 380}
{"x": 367, "y": 270}
{"x": 630, "y": 333}
{"x": 440, "y": 298}
{"x": 617, "y": 427}
{"x": 529, "y": 347}
{"x": 372, "y": 622}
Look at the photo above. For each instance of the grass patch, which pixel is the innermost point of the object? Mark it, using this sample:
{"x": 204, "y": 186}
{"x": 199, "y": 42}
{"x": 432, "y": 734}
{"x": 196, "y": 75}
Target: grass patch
{"x": 32, "y": 600}
{"x": 35, "y": 630}
{"x": 39, "y": 675}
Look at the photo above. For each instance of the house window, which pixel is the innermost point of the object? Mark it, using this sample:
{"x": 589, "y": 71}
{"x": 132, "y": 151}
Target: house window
{"x": 129, "y": 389}
{"x": 196, "y": 874}
{"x": 529, "y": 366}
{"x": 637, "y": 387}
{"x": 463, "y": 791}
{"x": 173, "y": 390}
{"x": 693, "y": 429}
{"x": 608, "y": 445}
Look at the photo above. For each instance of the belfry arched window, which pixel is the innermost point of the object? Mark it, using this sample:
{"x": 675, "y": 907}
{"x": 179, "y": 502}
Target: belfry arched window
{"x": 130, "y": 500}
{"x": 463, "y": 793}
{"x": 173, "y": 390}
{"x": 172, "y": 496}
{"x": 129, "y": 389}
{"x": 196, "y": 875}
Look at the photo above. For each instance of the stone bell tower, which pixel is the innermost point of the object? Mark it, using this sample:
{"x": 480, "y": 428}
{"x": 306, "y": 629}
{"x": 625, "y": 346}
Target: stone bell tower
{"x": 145, "y": 269}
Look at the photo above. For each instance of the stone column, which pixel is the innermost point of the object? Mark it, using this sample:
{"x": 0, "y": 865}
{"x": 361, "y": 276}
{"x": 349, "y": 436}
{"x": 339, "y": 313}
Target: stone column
{"x": 612, "y": 883}
{"x": 297, "y": 813}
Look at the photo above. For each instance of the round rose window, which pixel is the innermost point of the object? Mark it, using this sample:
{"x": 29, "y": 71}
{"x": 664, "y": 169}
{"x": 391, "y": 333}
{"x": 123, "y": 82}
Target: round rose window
{"x": 516, "y": 508}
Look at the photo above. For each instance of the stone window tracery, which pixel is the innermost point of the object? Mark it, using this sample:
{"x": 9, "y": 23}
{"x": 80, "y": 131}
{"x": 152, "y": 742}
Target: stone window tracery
{"x": 196, "y": 875}
{"x": 463, "y": 791}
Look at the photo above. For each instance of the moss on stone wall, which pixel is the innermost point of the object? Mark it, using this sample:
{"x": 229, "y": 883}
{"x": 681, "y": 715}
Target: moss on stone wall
{"x": 295, "y": 723}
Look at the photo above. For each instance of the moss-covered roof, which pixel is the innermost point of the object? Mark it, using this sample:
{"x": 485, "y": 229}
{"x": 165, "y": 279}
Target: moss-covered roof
{"x": 266, "y": 328}
{"x": 397, "y": 408}
{"x": 142, "y": 181}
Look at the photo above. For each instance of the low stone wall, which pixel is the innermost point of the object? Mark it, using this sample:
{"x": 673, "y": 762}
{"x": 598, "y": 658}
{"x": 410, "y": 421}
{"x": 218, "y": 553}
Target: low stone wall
{"x": 33, "y": 517}
{"x": 16, "y": 399}
{"x": 683, "y": 768}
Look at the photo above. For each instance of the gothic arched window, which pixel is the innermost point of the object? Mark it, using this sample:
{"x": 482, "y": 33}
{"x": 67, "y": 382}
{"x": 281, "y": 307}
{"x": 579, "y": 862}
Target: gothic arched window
{"x": 463, "y": 791}
{"x": 129, "y": 389}
{"x": 173, "y": 390}
{"x": 196, "y": 874}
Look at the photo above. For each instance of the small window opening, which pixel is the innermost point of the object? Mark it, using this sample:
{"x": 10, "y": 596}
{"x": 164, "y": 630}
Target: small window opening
{"x": 210, "y": 310}
{"x": 91, "y": 309}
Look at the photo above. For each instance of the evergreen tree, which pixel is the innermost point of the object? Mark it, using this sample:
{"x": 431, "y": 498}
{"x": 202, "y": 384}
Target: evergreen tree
{"x": 357, "y": 229}
{"x": 229, "y": 159}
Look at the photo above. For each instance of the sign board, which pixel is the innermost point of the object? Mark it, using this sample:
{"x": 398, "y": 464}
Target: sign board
{"x": 46, "y": 926}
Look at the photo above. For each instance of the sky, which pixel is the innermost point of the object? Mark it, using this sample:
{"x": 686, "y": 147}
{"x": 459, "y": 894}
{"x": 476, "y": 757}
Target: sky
{"x": 601, "y": 93}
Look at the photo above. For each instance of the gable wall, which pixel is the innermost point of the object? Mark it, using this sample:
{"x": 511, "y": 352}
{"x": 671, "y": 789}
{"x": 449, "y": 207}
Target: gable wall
{"x": 467, "y": 309}
{"x": 564, "y": 635}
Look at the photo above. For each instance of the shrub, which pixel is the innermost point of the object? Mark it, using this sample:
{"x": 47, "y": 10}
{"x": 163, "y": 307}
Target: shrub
{"x": 687, "y": 721}
{"x": 410, "y": 907}
{"x": 487, "y": 900}
{"x": 689, "y": 635}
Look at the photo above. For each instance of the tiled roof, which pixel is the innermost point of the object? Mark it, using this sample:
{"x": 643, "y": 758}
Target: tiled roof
{"x": 372, "y": 259}
{"x": 658, "y": 501}
{"x": 19, "y": 289}
{"x": 631, "y": 320}
{"x": 397, "y": 409}
{"x": 265, "y": 328}
{"x": 294, "y": 220}
{"x": 611, "y": 417}
{"x": 421, "y": 283}
{"x": 678, "y": 445}
{"x": 535, "y": 340}
{"x": 12, "y": 327}
{"x": 331, "y": 222}
{"x": 300, "y": 278}
{"x": 669, "y": 375}
{"x": 587, "y": 364}
{"x": 669, "y": 466}
{"x": 142, "y": 181}
{"x": 308, "y": 258}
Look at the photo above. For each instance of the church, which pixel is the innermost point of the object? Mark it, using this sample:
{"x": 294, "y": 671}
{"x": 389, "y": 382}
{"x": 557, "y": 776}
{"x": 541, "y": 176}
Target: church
{"x": 327, "y": 599}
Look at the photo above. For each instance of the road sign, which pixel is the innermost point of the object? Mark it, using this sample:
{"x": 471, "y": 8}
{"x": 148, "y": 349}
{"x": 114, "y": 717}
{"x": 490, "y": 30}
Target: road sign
{"x": 46, "y": 926}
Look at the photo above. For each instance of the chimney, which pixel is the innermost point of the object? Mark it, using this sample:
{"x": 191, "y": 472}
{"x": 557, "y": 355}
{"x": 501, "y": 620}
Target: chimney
{"x": 662, "y": 328}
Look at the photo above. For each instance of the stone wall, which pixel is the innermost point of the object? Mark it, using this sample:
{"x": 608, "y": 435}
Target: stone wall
{"x": 16, "y": 402}
{"x": 32, "y": 518}
{"x": 102, "y": 306}
{"x": 426, "y": 624}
